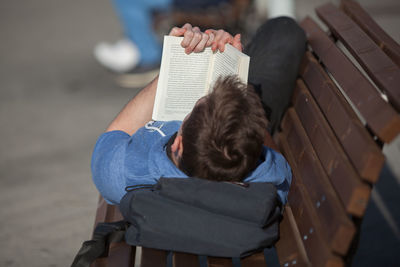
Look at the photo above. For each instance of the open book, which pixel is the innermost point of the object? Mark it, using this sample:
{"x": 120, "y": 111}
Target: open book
{"x": 186, "y": 78}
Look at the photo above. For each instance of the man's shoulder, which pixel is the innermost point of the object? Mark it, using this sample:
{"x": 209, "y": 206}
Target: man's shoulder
{"x": 146, "y": 157}
{"x": 146, "y": 153}
{"x": 273, "y": 167}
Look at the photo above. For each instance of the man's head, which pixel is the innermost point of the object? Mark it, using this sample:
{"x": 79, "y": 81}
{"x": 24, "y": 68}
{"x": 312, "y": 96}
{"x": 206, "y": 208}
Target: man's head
{"x": 222, "y": 138}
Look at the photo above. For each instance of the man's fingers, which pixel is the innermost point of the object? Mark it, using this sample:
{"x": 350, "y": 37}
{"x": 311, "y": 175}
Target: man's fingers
{"x": 211, "y": 38}
{"x": 237, "y": 42}
{"x": 226, "y": 38}
{"x": 187, "y": 38}
{"x": 202, "y": 44}
{"x": 218, "y": 35}
{"x": 188, "y": 35}
{"x": 195, "y": 41}
{"x": 176, "y": 31}
{"x": 187, "y": 26}
{"x": 196, "y": 38}
{"x": 221, "y": 38}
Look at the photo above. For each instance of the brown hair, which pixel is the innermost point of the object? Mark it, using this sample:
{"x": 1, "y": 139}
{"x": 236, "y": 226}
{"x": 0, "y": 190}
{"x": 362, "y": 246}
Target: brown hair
{"x": 223, "y": 136}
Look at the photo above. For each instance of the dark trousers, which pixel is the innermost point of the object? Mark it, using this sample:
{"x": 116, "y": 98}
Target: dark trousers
{"x": 275, "y": 55}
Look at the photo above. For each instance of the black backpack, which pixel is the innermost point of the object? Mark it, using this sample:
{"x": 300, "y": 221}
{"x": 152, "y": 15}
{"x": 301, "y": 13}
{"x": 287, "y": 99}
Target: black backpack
{"x": 191, "y": 215}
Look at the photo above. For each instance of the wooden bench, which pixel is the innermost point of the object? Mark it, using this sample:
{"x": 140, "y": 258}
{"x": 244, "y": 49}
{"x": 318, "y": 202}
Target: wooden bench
{"x": 332, "y": 136}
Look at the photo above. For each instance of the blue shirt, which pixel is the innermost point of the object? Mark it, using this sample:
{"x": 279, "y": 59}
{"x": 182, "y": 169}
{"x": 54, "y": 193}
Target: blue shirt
{"x": 120, "y": 160}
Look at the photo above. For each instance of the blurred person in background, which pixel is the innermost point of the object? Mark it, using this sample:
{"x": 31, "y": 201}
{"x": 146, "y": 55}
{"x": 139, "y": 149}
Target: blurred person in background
{"x": 139, "y": 50}
{"x": 277, "y": 8}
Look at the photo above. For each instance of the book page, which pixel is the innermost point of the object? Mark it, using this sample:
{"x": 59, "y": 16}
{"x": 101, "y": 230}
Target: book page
{"x": 230, "y": 62}
{"x": 182, "y": 80}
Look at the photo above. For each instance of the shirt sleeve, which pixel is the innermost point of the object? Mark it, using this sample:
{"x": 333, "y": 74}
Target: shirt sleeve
{"x": 107, "y": 165}
{"x": 273, "y": 169}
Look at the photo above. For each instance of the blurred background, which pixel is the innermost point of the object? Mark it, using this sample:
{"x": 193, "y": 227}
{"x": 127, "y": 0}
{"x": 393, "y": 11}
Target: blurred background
{"x": 55, "y": 100}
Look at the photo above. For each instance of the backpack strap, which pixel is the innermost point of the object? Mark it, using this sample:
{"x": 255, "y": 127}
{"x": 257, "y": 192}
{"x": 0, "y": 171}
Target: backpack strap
{"x": 104, "y": 234}
{"x": 202, "y": 261}
{"x": 271, "y": 257}
{"x": 236, "y": 262}
{"x": 170, "y": 259}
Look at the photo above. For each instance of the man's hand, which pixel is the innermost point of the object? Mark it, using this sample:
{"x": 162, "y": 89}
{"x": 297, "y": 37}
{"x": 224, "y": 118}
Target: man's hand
{"x": 193, "y": 39}
{"x": 222, "y": 37}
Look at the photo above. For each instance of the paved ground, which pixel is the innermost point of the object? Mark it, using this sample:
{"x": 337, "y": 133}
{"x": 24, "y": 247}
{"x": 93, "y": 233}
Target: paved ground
{"x": 54, "y": 102}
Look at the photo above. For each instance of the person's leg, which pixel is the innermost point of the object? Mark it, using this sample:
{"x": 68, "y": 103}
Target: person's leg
{"x": 275, "y": 55}
{"x": 136, "y": 19}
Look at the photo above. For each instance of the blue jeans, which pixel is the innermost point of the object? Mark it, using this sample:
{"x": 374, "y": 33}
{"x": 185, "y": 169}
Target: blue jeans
{"x": 276, "y": 52}
{"x": 136, "y": 19}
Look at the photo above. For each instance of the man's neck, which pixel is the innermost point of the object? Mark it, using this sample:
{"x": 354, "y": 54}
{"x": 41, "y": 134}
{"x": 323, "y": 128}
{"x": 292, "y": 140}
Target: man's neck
{"x": 172, "y": 156}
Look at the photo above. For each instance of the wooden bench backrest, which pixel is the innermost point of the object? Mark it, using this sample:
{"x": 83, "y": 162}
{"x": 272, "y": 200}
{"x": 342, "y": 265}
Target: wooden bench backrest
{"x": 332, "y": 136}
{"x": 333, "y": 133}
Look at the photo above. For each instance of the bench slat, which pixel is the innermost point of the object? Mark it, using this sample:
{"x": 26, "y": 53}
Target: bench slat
{"x": 365, "y": 21}
{"x": 290, "y": 247}
{"x": 185, "y": 259}
{"x": 317, "y": 250}
{"x": 255, "y": 260}
{"x": 119, "y": 254}
{"x": 219, "y": 262}
{"x": 380, "y": 116}
{"x": 101, "y": 211}
{"x": 153, "y": 257}
{"x": 375, "y": 62}
{"x": 362, "y": 150}
{"x": 113, "y": 214}
{"x": 315, "y": 245}
{"x": 311, "y": 232}
{"x": 353, "y": 193}
{"x": 328, "y": 214}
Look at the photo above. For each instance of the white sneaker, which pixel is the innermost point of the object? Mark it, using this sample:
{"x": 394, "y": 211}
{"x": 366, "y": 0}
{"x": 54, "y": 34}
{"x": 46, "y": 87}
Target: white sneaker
{"x": 277, "y": 8}
{"x": 120, "y": 57}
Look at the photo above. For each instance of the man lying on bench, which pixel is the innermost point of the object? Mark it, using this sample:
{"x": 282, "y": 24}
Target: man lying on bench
{"x": 222, "y": 138}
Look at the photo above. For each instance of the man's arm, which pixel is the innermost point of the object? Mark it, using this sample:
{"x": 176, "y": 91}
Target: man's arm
{"x": 137, "y": 112}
